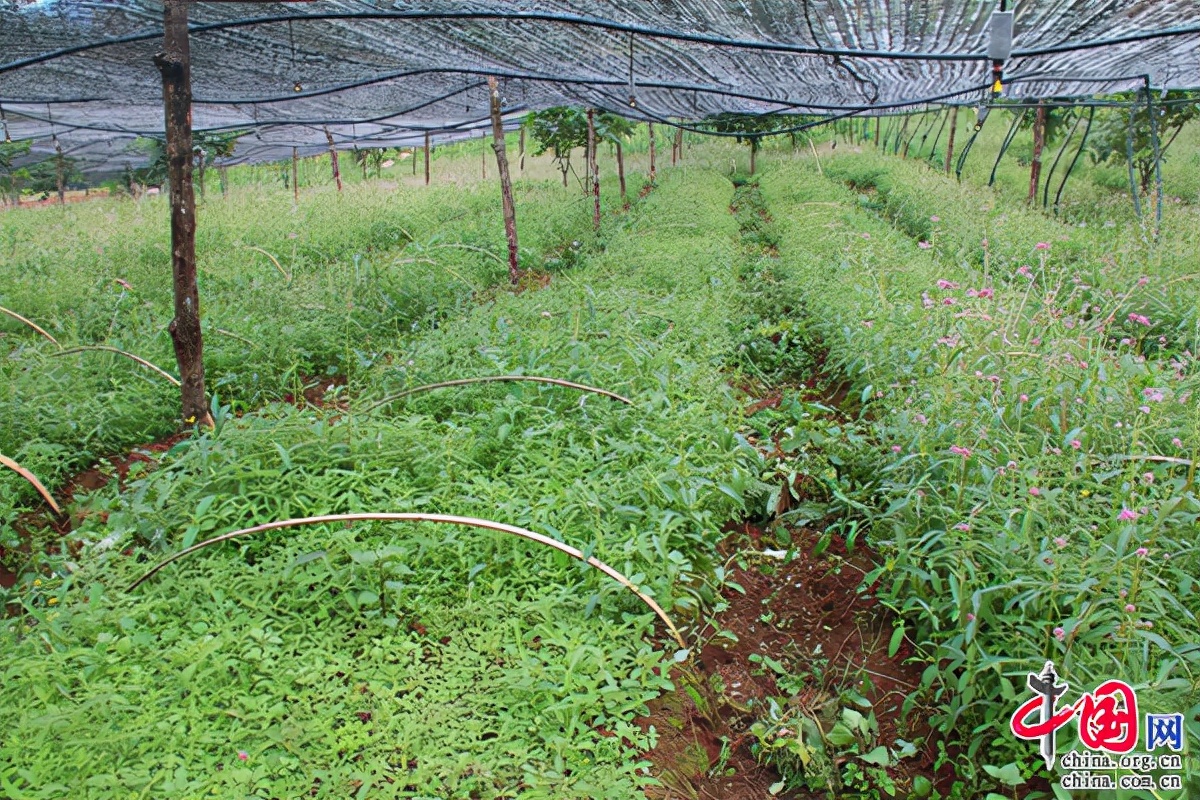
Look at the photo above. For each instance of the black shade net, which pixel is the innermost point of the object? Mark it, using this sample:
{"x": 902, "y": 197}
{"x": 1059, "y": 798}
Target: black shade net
{"x": 376, "y": 74}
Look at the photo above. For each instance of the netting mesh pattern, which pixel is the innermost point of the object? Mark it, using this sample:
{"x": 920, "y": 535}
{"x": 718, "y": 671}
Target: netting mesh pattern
{"x": 379, "y": 73}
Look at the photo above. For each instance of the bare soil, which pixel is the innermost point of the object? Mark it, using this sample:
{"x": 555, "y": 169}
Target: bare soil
{"x": 809, "y": 614}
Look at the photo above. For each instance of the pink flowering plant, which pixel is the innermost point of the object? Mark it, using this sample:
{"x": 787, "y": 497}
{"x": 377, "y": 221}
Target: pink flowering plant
{"x": 1039, "y": 422}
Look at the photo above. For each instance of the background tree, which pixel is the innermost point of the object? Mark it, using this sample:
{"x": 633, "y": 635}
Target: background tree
{"x": 208, "y": 146}
{"x": 13, "y": 178}
{"x": 749, "y": 128}
{"x": 558, "y": 130}
{"x": 616, "y": 129}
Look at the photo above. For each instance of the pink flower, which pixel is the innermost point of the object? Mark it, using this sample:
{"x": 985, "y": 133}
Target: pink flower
{"x": 1148, "y": 477}
{"x": 1042, "y": 246}
{"x": 1059, "y": 633}
{"x": 1122, "y": 594}
{"x": 1139, "y": 319}
{"x": 948, "y": 301}
{"x": 868, "y": 323}
{"x": 962, "y": 526}
{"x": 970, "y": 617}
{"x": 1144, "y": 409}
{"x": 1127, "y": 341}
{"x": 983, "y": 242}
{"x": 1130, "y": 608}
{"x": 1024, "y": 398}
{"x": 1060, "y": 541}
{"x": 1076, "y": 444}
{"x": 897, "y": 448}
{"x": 924, "y": 245}
{"x": 866, "y": 236}
{"x": 1177, "y": 442}
{"x": 960, "y": 451}
{"x": 243, "y": 755}
{"x": 1127, "y": 514}
{"x": 1024, "y": 271}
{"x": 986, "y": 293}
{"x": 1142, "y": 281}
{"x": 935, "y": 218}
{"x": 925, "y": 301}
{"x": 1152, "y": 394}
{"x": 922, "y": 419}
{"x": 1141, "y": 552}
{"x": 945, "y": 284}
{"x": 1035, "y": 491}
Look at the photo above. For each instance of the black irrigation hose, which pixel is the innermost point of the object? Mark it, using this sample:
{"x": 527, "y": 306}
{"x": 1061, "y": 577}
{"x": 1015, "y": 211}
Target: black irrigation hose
{"x": 595, "y": 22}
{"x": 620, "y": 106}
{"x": 1133, "y": 188}
{"x": 1071, "y": 168}
{"x": 962, "y": 157}
{"x": 1008, "y": 140}
{"x": 1054, "y": 165}
{"x": 933, "y": 149}
{"x": 928, "y": 131}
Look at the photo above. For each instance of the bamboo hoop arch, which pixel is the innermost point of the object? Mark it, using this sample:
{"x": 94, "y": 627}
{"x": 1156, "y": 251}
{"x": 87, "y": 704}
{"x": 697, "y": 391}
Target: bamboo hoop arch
{"x": 32, "y": 325}
{"x": 106, "y": 349}
{"x": 445, "y": 519}
{"x": 33, "y": 481}
{"x": 496, "y": 379}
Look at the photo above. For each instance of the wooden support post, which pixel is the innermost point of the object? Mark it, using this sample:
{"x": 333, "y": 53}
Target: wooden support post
{"x": 653, "y": 172}
{"x": 950, "y": 144}
{"x": 593, "y": 168}
{"x": 753, "y": 153}
{"x": 426, "y": 158}
{"x": 506, "y": 195}
{"x": 1039, "y": 141}
{"x": 521, "y": 150}
{"x": 414, "y": 161}
{"x": 621, "y": 173}
{"x": 295, "y": 176}
{"x": 877, "y": 124}
{"x": 59, "y": 171}
{"x": 174, "y": 62}
{"x": 333, "y": 159}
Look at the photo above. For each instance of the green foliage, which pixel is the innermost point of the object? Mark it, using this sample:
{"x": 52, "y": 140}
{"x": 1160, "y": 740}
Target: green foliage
{"x": 12, "y": 178}
{"x": 561, "y": 129}
{"x": 391, "y": 661}
{"x": 1110, "y": 140}
{"x": 1029, "y": 395}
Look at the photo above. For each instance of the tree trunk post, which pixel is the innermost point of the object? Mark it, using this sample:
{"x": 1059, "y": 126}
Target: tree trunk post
{"x": 593, "y": 168}
{"x": 414, "y": 161}
{"x": 753, "y": 153}
{"x": 510, "y": 211}
{"x": 653, "y": 171}
{"x": 877, "y": 125}
{"x": 333, "y": 159}
{"x": 295, "y": 176}
{"x": 426, "y": 158}
{"x": 950, "y": 144}
{"x": 174, "y": 62}
{"x": 59, "y": 171}
{"x": 1039, "y": 141}
{"x": 621, "y": 173}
